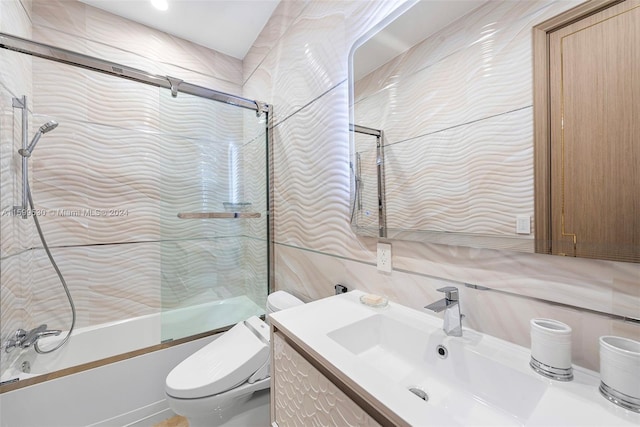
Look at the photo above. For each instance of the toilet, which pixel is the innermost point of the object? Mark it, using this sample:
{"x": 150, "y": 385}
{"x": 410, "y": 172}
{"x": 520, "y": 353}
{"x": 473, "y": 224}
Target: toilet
{"x": 226, "y": 383}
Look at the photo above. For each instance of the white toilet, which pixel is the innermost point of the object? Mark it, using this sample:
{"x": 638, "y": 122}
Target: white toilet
{"x": 226, "y": 383}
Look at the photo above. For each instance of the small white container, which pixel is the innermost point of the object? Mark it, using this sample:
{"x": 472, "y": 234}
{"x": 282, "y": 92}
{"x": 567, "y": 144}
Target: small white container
{"x": 620, "y": 371}
{"x": 551, "y": 349}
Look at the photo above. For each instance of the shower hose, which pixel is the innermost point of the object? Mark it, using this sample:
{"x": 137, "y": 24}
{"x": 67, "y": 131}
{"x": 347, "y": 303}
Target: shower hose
{"x": 58, "y": 272}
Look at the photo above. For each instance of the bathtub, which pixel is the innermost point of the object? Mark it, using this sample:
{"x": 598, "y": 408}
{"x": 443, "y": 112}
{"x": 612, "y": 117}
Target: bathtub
{"x": 97, "y": 342}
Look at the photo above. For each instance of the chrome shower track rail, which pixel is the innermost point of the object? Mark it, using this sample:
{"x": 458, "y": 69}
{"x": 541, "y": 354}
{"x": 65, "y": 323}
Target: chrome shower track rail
{"x": 174, "y": 84}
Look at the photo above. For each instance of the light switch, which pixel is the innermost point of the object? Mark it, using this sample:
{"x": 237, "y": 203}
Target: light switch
{"x": 523, "y": 224}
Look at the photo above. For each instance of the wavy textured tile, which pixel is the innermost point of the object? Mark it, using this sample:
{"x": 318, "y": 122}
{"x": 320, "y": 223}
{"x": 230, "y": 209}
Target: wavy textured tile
{"x": 494, "y": 28}
{"x": 298, "y": 69}
{"x": 310, "y": 275}
{"x": 192, "y": 268}
{"x": 123, "y": 103}
{"x": 486, "y": 54}
{"x": 312, "y": 200}
{"x": 12, "y": 311}
{"x": 255, "y": 186}
{"x": 194, "y": 117}
{"x": 501, "y": 315}
{"x": 8, "y": 196}
{"x": 108, "y": 30}
{"x": 158, "y": 46}
{"x": 459, "y": 89}
{"x": 75, "y": 43}
{"x": 311, "y": 183}
{"x": 281, "y": 19}
{"x": 66, "y": 15}
{"x": 14, "y": 82}
{"x": 125, "y": 286}
{"x": 125, "y": 145}
{"x": 15, "y": 19}
{"x": 60, "y": 91}
{"x": 15, "y": 75}
{"x": 142, "y": 181}
{"x": 471, "y": 179}
{"x": 256, "y": 269}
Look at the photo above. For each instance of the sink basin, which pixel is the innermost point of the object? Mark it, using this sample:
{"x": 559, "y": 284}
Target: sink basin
{"x": 457, "y": 380}
{"x": 400, "y": 360}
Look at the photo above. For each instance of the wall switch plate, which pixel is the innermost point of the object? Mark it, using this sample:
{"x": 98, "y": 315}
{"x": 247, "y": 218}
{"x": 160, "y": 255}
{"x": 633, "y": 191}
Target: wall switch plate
{"x": 384, "y": 257}
{"x": 523, "y": 224}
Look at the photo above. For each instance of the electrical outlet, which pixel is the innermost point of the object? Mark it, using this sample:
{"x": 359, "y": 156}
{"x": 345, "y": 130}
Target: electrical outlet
{"x": 384, "y": 257}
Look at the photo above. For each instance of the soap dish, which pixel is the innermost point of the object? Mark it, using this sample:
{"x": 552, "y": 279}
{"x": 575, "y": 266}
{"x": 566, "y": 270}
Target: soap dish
{"x": 374, "y": 300}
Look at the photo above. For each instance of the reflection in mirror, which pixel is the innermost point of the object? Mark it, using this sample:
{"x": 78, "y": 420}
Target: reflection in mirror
{"x": 455, "y": 106}
{"x": 368, "y": 210}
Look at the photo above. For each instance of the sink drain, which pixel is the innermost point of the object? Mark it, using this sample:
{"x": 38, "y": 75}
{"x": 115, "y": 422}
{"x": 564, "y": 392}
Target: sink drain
{"x": 442, "y": 351}
{"x": 420, "y": 393}
{"x": 25, "y": 367}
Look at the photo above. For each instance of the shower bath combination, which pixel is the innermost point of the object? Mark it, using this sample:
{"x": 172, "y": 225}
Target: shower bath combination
{"x": 27, "y": 338}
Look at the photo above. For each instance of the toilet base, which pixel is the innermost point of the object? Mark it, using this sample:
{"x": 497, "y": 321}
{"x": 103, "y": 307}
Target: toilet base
{"x": 254, "y": 413}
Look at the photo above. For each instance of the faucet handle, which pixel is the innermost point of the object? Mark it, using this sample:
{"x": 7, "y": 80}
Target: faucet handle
{"x": 450, "y": 293}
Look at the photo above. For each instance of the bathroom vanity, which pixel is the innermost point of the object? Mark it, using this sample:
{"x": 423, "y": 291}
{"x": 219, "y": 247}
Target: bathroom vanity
{"x": 337, "y": 361}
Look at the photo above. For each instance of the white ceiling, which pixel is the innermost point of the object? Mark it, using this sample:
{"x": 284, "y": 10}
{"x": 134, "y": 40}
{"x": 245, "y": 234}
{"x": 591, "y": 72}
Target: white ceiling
{"x": 228, "y": 26}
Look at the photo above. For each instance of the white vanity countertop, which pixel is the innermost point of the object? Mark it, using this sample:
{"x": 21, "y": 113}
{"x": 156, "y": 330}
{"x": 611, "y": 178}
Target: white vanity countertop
{"x": 577, "y": 402}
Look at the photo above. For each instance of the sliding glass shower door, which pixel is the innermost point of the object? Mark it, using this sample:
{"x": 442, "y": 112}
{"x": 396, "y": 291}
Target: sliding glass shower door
{"x": 213, "y": 215}
{"x": 155, "y": 208}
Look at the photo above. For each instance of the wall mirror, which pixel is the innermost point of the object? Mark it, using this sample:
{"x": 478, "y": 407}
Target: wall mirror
{"x": 449, "y": 86}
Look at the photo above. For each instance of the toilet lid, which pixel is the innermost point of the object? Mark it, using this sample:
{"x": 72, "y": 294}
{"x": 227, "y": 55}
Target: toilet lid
{"x": 281, "y": 300}
{"x": 219, "y": 366}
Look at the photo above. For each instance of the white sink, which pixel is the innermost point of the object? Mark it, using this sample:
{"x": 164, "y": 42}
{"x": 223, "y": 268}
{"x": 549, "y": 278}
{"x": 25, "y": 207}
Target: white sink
{"x": 457, "y": 380}
{"x": 385, "y": 352}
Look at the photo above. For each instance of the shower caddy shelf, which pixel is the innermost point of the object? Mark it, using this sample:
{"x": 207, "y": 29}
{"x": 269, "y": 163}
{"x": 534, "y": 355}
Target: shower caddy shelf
{"x": 217, "y": 215}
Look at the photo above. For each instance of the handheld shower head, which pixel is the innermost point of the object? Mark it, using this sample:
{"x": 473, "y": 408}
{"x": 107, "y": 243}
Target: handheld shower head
{"x": 47, "y": 127}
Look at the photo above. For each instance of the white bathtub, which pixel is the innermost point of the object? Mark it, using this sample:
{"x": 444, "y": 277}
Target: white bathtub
{"x": 109, "y": 339}
{"x": 126, "y": 393}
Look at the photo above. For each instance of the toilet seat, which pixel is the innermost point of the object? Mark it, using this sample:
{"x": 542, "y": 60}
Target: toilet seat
{"x": 222, "y": 364}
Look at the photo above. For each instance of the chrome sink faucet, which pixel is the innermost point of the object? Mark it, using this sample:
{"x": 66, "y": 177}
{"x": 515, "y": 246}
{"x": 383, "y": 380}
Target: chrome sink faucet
{"x": 25, "y": 339}
{"x": 450, "y": 304}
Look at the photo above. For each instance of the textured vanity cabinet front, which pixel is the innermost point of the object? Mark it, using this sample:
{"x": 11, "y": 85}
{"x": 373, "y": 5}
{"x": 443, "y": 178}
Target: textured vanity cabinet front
{"x": 302, "y": 396}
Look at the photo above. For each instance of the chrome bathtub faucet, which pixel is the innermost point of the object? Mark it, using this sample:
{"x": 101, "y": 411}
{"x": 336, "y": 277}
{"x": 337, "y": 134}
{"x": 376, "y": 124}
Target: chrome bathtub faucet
{"x": 25, "y": 339}
{"x": 450, "y": 304}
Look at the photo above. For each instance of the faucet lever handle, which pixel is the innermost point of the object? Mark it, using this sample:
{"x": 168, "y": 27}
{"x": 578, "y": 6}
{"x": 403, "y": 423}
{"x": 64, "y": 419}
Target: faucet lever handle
{"x": 450, "y": 293}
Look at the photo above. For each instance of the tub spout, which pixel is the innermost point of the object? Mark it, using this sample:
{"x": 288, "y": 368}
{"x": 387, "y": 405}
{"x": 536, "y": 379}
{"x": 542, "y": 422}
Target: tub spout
{"x": 25, "y": 339}
{"x": 35, "y": 334}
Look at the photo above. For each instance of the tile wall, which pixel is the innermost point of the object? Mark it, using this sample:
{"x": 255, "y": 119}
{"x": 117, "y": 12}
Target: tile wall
{"x": 459, "y": 158}
{"x": 136, "y": 153}
{"x": 15, "y": 81}
{"x": 299, "y": 63}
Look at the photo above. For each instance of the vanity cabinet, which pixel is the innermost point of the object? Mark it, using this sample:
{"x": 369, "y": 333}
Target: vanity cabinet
{"x": 301, "y": 395}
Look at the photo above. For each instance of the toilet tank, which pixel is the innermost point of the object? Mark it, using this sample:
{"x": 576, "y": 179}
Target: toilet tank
{"x": 281, "y": 300}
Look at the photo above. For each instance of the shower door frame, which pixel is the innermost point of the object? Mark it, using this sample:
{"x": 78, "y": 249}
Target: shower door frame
{"x": 175, "y": 85}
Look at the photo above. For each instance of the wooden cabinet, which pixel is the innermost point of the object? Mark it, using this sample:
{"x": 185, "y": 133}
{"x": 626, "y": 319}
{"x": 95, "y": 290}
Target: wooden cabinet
{"x": 301, "y": 395}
